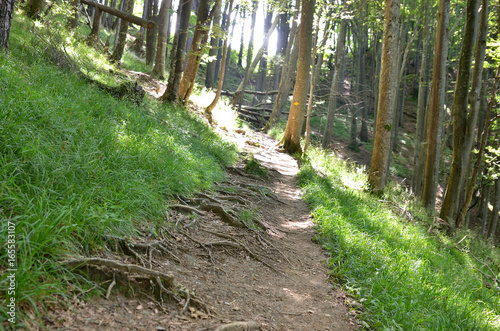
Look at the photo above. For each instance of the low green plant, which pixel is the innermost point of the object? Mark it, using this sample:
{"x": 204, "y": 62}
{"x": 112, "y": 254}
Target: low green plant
{"x": 254, "y": 167}
{"x": 405, "y": 276}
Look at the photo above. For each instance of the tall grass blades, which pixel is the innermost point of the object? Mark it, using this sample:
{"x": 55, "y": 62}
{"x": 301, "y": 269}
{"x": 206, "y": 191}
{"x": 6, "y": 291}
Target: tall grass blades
{"x": 77, "y": 164}
{"x": 405, "y": 277}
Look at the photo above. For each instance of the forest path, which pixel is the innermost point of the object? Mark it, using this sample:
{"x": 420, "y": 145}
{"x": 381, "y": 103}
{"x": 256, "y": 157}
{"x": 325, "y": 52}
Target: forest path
{"x": 266, "y": 272}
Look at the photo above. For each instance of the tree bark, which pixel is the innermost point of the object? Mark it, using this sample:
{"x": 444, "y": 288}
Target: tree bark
{"x": 122, "y": 37}
{"x": 422, "y": 92}
{"x": 161, "y": 49}
{"x": 175, "y": 75}
{"x": 6, "y": 13}
{"x": 126, "y": 15}
{"x": 453, "y": 189}
{"x": 287, "y": 71}
{"x": 377, "y": 176}
{"x": 197, "y": 48}
{"x": 496, "y": 209}
{"x": 94, "y": 38}
{"x": 208, "y": 110}
{"x": 152, "y": 34}
{"x": 214, "y": 47}
{"x": 336, "y": 87}
{"x": 437, "y": 102}
{"x": 291, "y": 138}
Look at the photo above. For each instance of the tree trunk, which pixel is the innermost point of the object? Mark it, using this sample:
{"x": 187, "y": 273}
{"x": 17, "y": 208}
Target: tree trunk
{"x": 453, "y": 189}
{"x": 6, "y": 12}
{"x": 175, "y": 75}
{"x": 437, "y": 102}
{"x": 239, "y": 92}
{"x": 496, "y": 209}
{"x": 197, "y": 48}
{"x": 208, "y": 110}
{"x": 161, "y": 49}
{"x": 422, "y": 92}
{"x": 73, "y": 19}
{"x": 377, "y": 176}
{"x": 152, "y": 34}
{"x": 127, "y": 16}
{"x": 289, "y": 65}
{"x": 214, "y": 48}
{"x": 262, "y": 73}
{"x": 255, "y": 5}
{"x": 336, "y": 88}
{"x": 122, "y": 37}
{"x": 94, "y": 38}
{"x": 242, "y": 35}
{"x": 291, "y": 139}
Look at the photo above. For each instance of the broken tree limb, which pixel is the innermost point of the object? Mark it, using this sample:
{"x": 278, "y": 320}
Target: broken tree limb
{"x": 121, "y": 14}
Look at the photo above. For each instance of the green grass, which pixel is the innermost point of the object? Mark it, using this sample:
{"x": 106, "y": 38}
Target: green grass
{"x": 77, "y": 164}
{"x": 405, "y": 277}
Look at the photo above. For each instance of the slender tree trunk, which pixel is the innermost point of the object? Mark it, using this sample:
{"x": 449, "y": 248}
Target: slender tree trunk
{"x": 255, "y": 5}
{"x": 239, "y": 92}
{"x": 336, "y": 87}
{"x": 291, "y": 138}
{"x": 262, "y": 74}
{"x": 6, "y": 13}
{"x": 122, "y": 37}
{"x": 453, "y": 189}
{"x": 377, "y": 176}
{"x": 496, "y": 209}
{"x": 94, "y": 38}
{"x": 422, "y": 92}
{"x": 197, "y": 48}
{"x": 161, "y": 49}
{"x": 242, "y": 35}
{"x": 484, "y": 136}
{"x": 437, "y": 103}
{"x": 152, "y": 34}
{"x": 174, "y": 78}
{"x": 208, "y": 110}
{"x": 214, "y": 48}
{"x": 289, "y": 63}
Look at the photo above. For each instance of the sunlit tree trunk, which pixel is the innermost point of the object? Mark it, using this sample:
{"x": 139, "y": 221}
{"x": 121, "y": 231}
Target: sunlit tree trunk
{"x": 460, "y": 103}
{"x": 377, "y": 176}
{"x": 291, "y": 139}
{"x": 436, "y": 107}
{"x": 197, "y": 48}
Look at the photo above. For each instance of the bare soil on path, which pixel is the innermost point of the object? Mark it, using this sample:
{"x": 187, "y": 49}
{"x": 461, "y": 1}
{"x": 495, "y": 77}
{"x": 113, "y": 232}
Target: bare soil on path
{"x": 253, "y": 262}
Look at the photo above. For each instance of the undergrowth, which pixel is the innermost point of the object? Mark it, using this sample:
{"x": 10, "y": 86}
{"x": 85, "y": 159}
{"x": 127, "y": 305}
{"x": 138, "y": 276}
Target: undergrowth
{"x": 405, "y": 276}
{"x": 77, "y": 164}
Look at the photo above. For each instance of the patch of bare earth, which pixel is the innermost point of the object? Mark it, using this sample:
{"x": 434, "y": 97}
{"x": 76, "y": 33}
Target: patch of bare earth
{"x": 239, "y": 257}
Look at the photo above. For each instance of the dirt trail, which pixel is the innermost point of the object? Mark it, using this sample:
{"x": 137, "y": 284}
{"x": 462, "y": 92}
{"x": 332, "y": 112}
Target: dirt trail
{"x": 265, "y": 270}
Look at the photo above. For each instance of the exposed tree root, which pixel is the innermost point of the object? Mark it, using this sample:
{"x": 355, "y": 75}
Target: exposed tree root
{"x": 241, "y": 246}
{"x": 224, "y": 215}
{"x": 165, "y": 281}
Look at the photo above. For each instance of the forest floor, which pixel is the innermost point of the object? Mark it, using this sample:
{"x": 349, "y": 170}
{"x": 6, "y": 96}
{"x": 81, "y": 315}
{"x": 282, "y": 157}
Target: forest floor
{"x": 240, "y": 257}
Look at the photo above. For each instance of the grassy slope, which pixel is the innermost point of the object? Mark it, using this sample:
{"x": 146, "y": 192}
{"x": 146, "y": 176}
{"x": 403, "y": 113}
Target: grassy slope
{"x": 406, "y": 277}
{"x": 76, "y": 164}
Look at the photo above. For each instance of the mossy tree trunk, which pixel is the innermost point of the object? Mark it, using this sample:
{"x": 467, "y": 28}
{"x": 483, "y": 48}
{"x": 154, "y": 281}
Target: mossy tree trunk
{"x": 453, "y": 192}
